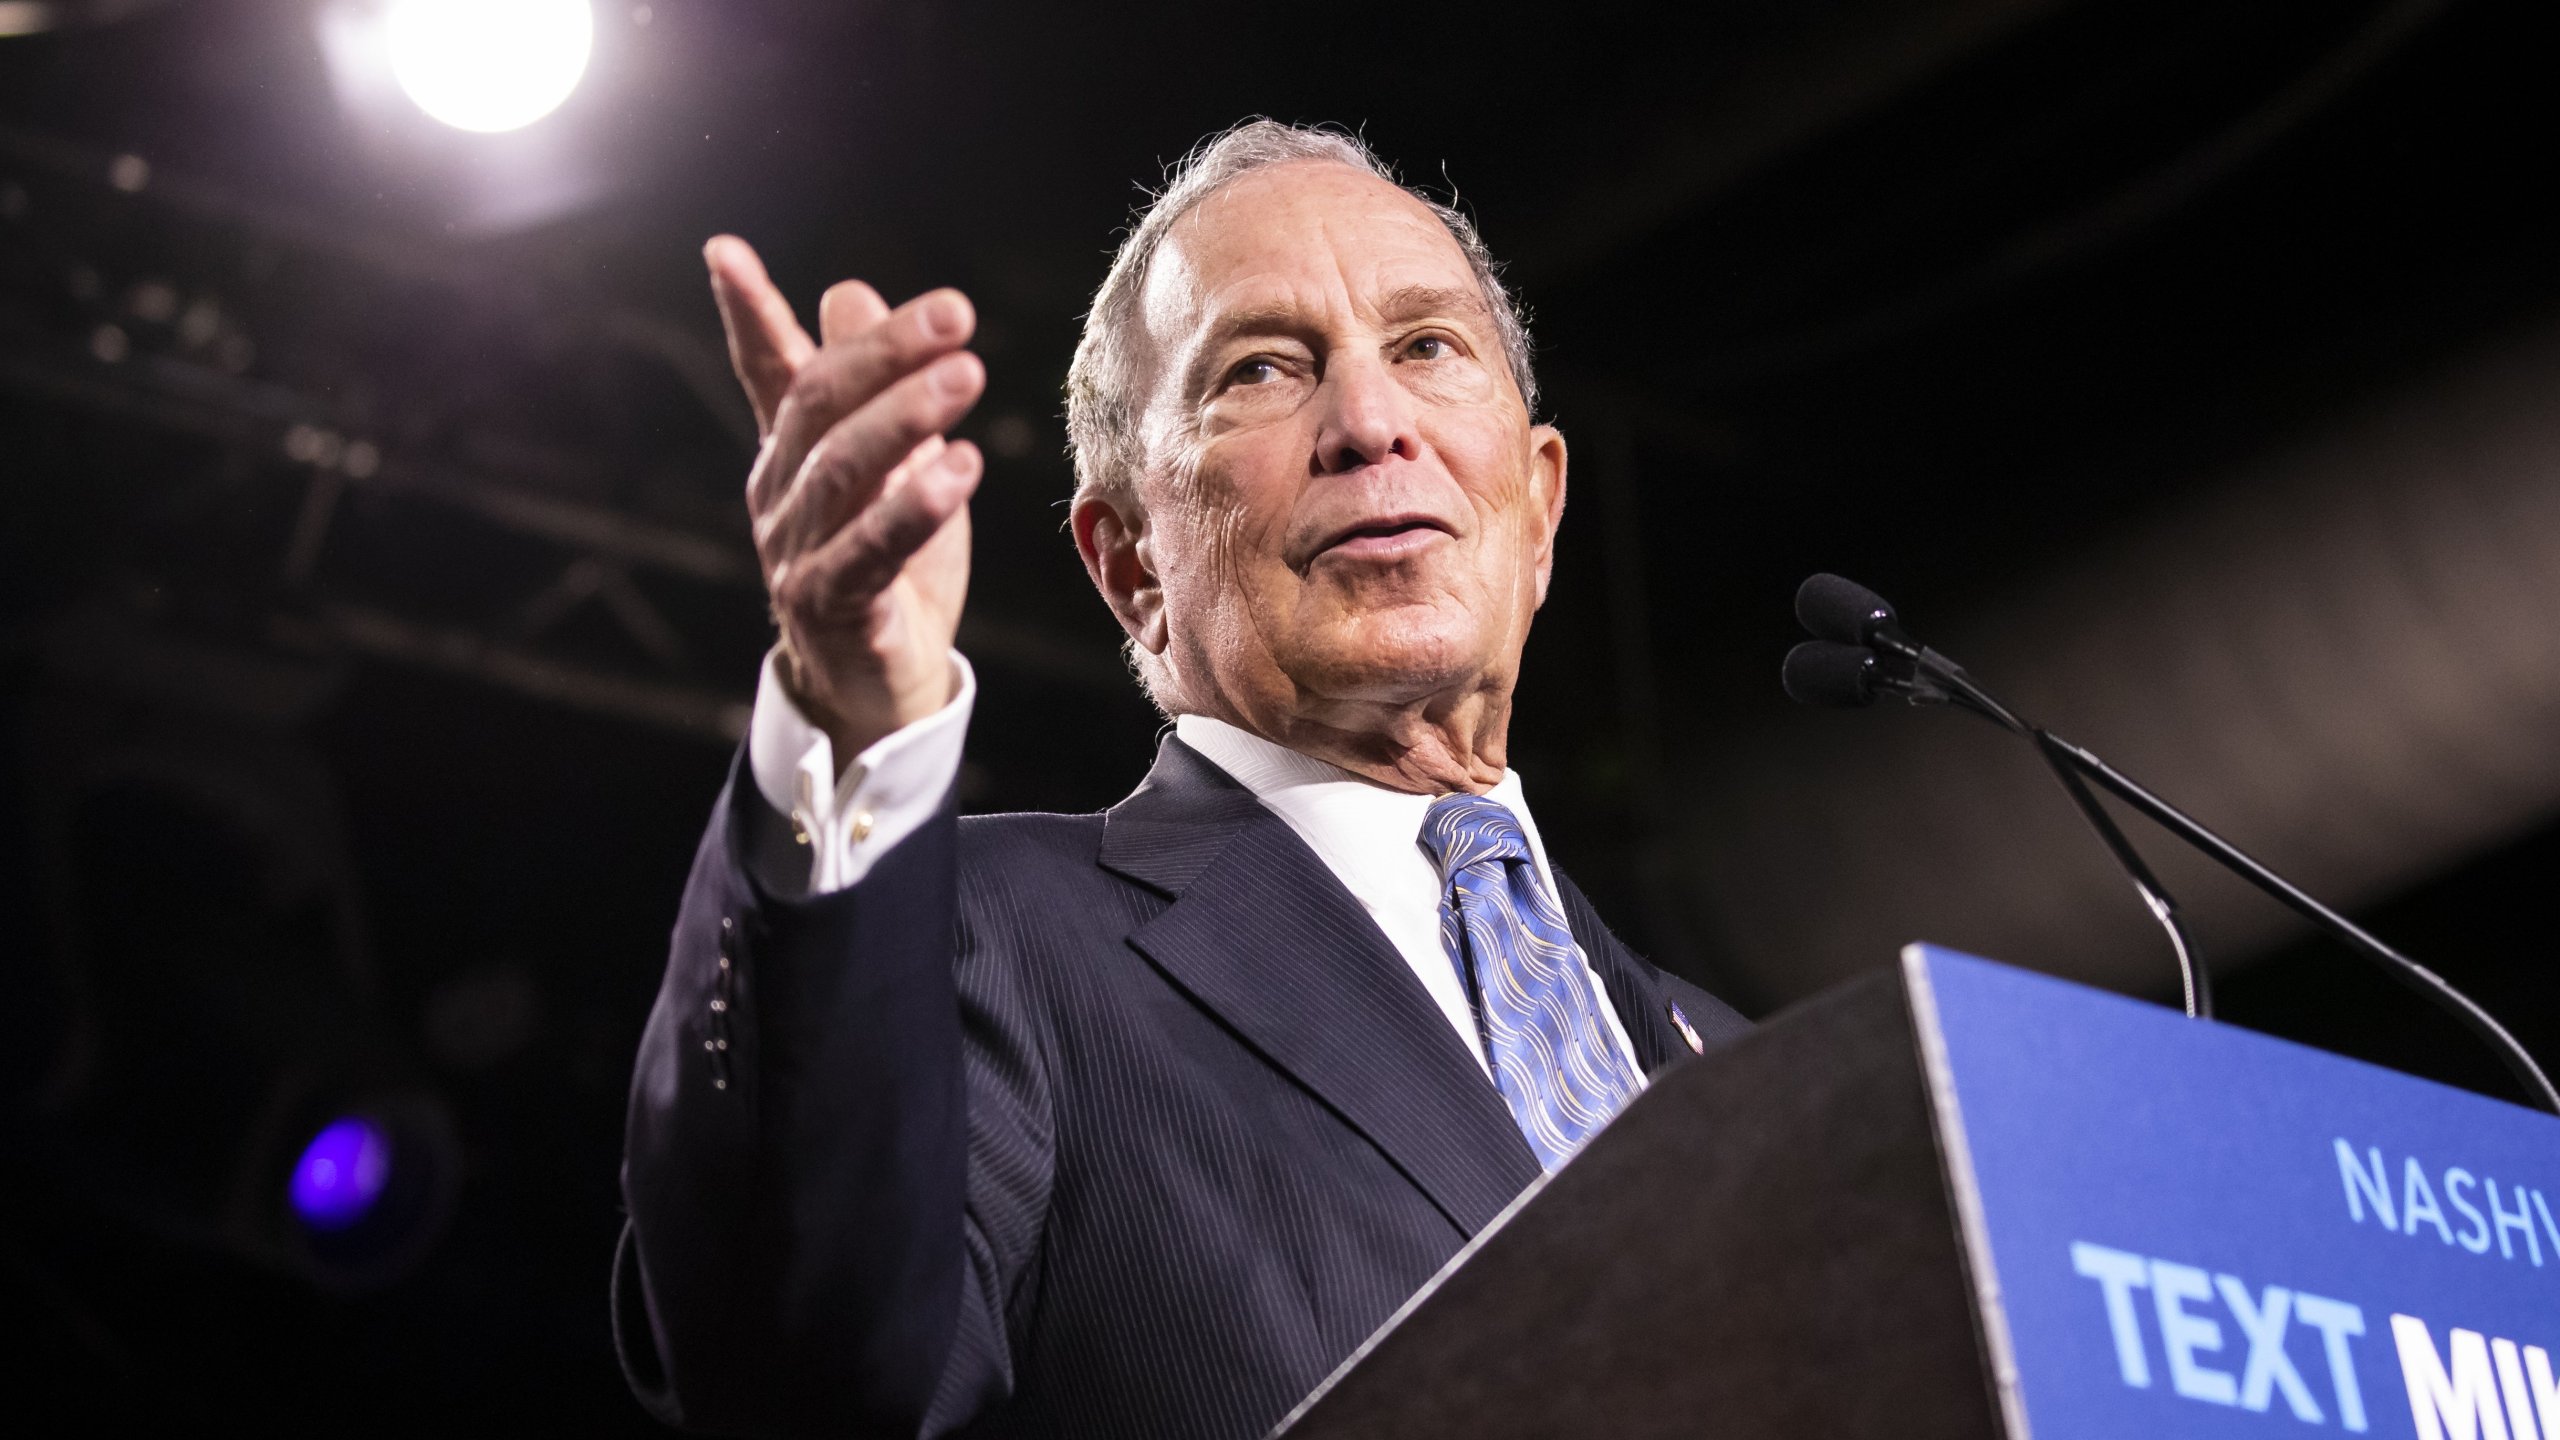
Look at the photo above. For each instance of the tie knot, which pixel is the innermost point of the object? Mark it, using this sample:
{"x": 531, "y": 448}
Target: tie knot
{"x": 1460, "y": 830}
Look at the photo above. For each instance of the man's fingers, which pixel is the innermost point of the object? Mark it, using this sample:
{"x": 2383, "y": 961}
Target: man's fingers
{"x": 844, "y": 377}
{"x": 766, "y": 344}
{"x": 861, "y": 560}
{"x": 848, "y": 466}
{"x": 847, "y": 309}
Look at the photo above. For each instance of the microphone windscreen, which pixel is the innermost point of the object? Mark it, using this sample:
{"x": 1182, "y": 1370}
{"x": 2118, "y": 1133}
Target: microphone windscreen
{"x": 1819, "y": 672}
{"x": 1840, "y": 610}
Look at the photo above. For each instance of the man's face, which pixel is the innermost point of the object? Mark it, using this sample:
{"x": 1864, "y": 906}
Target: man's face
{"x": 1346, "y": 504}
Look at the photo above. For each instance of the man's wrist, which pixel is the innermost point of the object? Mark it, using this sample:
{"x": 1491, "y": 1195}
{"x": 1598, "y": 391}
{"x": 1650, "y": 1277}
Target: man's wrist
{"x": 852, "y": 729}
{"x": 793, "y": 673}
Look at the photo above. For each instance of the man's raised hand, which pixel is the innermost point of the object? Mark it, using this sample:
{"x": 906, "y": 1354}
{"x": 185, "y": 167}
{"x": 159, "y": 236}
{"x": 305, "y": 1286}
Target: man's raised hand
{"x": 860, "y": 506}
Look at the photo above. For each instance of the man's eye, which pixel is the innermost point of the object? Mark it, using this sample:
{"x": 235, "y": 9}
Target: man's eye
{"x": 1430, "y": 347}
{"x": 1254, "y": 372}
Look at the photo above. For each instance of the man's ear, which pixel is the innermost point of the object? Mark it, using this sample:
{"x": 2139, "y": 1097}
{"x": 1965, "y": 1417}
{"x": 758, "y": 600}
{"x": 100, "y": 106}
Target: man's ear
{"x": 1111, "y": 535}
{"x": 1546, "y": 473}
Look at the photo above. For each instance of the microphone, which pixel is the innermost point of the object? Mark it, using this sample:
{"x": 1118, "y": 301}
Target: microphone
{"x": 1850, "y": 677}
{"x": 1844, "y": 612}
{"x": 1831, "y": 675}
{"x": 1850, "y": 617}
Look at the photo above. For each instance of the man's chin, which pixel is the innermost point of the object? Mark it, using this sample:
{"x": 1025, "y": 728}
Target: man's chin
{"x": 1404, "y": 665}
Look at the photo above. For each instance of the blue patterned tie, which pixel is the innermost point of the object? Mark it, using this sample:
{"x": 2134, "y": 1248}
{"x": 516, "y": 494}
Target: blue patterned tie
{"x": 1554, "y": 1060}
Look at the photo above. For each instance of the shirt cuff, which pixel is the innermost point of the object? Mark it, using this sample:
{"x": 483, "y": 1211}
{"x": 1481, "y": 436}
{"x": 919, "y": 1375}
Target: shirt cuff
{"x": 888, "y": 791}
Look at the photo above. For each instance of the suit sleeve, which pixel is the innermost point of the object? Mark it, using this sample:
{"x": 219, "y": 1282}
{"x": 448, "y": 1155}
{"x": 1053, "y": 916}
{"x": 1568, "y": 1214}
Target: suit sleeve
{"x": 806, "y": 1250}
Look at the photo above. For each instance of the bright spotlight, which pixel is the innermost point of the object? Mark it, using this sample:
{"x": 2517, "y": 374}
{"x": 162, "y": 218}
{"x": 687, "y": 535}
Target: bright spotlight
{"x": 489, "y": 65}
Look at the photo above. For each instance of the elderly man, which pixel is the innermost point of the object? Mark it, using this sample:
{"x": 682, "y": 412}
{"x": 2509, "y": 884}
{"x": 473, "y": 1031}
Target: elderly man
{"x": 1131, "y": 1124}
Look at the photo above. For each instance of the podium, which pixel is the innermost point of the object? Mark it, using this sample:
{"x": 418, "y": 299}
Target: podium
{"x": 1962, "y": 1200}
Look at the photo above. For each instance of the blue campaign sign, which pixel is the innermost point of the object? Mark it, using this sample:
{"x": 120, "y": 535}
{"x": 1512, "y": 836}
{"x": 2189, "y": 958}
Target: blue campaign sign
{"x": 2196, "y": 1230}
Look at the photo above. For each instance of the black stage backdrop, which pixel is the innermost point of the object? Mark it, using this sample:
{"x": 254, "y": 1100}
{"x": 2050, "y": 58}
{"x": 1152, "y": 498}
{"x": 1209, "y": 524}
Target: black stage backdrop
{"x": 378, "y": 618}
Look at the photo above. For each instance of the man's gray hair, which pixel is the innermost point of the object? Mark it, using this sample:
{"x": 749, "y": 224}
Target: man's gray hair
{"x": 1107, "y": 384}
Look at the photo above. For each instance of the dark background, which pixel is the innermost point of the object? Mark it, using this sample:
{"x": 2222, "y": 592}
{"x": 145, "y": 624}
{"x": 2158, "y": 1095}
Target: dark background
{"x": 377, "y": 612}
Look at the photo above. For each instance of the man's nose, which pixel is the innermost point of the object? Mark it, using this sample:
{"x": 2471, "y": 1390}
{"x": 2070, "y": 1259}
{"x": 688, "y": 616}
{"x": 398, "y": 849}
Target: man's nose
{"x": 1367, "y": 417}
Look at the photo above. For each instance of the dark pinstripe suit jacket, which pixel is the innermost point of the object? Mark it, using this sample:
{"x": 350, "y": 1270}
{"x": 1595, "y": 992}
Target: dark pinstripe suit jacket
{"x": 1128, "y": 1125}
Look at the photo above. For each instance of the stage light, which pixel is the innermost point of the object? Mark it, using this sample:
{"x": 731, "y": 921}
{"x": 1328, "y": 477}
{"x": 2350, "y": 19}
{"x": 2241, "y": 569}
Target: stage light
{"x": 341, "y": 1173}
{"x": 428, "y": 83}
{"x": 489, "y": 65}
{"x": 371, "y": 1188}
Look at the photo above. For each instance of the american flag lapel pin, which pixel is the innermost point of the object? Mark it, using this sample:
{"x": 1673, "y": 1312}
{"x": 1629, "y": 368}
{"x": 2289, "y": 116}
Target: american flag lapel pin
{"x": 1688, "y": 1031}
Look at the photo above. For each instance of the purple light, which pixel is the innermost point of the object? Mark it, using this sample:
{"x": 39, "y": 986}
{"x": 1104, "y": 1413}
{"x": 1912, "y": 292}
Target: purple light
{"x": 340, "y": 1174}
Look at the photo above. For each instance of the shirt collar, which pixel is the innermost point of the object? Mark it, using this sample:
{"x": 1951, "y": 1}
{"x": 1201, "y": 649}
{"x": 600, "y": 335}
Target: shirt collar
{"x": 1359, "y": 827}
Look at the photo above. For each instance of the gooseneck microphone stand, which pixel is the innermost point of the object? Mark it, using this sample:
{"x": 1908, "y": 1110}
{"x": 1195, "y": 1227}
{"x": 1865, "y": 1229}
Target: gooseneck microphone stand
{"x": 1889, "y": 664}
{"x": 1863, "y": 656}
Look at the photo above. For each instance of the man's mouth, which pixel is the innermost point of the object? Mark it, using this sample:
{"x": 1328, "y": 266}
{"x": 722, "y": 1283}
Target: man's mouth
{"x": 1391, "y": 538}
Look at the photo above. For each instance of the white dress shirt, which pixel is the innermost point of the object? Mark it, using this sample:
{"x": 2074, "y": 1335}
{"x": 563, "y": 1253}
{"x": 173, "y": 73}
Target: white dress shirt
{"x": 1370, "y": 837}
{"x": 1367, "y": 835}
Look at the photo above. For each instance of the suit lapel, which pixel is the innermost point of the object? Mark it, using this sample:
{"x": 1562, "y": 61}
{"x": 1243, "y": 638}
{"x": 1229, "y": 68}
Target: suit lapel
{"x": 1642, "y": 1007}
{"x": 1265, "y": 937}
